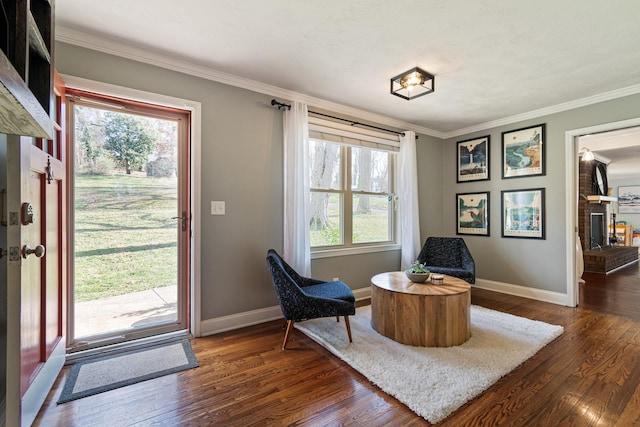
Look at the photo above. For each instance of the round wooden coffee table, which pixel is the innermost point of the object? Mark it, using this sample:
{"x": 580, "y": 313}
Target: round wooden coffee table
{"x": 421, "y": 314}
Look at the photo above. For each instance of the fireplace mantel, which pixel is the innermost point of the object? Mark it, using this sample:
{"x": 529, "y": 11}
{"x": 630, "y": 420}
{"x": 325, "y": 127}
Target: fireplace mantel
{"x": 601, "y": 199}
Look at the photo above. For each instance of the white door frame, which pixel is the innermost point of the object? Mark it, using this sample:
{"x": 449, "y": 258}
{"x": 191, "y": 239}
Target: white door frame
{"x": 571, "y": 206}
{"x": 196, "y": 139}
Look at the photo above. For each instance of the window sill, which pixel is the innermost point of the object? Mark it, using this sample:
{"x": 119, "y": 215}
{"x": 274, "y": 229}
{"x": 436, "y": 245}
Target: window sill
{"x": 330, "y": 253}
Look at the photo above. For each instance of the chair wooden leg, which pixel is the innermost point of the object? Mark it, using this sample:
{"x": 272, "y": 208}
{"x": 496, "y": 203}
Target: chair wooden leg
{"x": 338, "y": 319}
{"x": 346, "y": 321}
{"x": 286, "y": 333}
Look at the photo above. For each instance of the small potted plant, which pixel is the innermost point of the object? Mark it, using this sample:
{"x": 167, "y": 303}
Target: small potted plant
{"x": 417, "y": 272}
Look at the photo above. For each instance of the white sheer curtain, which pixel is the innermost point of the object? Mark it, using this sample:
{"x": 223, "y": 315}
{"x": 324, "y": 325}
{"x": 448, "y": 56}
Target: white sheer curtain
{"x": 408, "y": 199}
{"x": 296, "y": 189}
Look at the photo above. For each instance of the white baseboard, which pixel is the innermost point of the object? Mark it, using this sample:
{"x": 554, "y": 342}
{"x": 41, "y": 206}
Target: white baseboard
{"x": 522, "y": 291}
{"x": 362, "y": 293}
{"x": 254, "y": 317}
{"x": 239, "y": 320}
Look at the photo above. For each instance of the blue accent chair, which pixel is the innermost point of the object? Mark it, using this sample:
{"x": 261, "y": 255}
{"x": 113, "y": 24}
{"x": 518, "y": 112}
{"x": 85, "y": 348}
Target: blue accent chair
{"x": 303, "y": 298}
{"x": 450, "y": 256}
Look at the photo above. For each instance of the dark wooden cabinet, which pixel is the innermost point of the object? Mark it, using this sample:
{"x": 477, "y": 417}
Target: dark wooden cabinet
{"x": 26, "y": 67}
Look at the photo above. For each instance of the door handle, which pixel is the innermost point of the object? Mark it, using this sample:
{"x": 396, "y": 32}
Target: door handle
{"x": 38, "y": 251}
{"x": 184, "y": 220}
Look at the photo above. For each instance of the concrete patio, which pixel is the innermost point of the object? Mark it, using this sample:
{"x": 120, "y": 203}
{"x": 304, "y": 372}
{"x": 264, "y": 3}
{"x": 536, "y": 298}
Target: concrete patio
{"x": 125, "y": 311}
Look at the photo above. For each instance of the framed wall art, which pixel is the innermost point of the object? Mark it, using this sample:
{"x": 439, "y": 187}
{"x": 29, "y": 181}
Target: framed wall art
{"x": 523, "y": 152}
{"x": 473, "y": 159}
{"x": 473, "y": 213}
{"x": 523, "y": 213}
{"x": 629, "y": 199}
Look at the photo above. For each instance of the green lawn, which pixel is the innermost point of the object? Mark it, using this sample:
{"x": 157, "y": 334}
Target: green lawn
{"x": 370, "y": 227}
{"x": 125, "y": 239}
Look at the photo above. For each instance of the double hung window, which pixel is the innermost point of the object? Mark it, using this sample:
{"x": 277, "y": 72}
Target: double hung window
{"x": 352, "y": 186}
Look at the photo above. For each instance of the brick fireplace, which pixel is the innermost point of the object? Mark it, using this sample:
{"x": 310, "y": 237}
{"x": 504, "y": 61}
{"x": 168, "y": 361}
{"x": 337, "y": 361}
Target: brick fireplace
{"x": 585, "y": 209}
{"x": 607, "y": 258}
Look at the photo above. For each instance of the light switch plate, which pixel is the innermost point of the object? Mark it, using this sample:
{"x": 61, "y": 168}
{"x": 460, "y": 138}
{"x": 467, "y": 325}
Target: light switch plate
{"x": 217, "y": 208}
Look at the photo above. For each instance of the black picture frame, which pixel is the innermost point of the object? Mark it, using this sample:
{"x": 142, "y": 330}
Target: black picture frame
{"x": 472, "y": 214}
{"x": 523, "y": 152}
{"x": 523, "y": 213}
{"x": 473, "y": 159}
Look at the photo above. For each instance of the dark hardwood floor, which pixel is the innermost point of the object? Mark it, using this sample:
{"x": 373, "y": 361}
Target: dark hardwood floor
{"x": 616, "y": 293}
{"x": 589, "y": 376}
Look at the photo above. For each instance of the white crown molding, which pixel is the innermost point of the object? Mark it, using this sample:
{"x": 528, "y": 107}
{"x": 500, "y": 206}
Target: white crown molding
{"x": 101, "y": 44}
{"x": 607, "y": 96}
{"x": 601, "y": 158}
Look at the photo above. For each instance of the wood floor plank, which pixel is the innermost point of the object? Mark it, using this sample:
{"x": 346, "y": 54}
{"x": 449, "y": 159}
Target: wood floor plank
{"x": 588, "y": 376}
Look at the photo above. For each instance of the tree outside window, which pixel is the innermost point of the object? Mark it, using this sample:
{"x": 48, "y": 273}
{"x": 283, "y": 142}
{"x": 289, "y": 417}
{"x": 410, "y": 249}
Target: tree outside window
{"x": 129, "y": 139}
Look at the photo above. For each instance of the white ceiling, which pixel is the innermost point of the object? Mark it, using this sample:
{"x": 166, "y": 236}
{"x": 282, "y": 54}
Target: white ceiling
{"x": 493, "y": 59}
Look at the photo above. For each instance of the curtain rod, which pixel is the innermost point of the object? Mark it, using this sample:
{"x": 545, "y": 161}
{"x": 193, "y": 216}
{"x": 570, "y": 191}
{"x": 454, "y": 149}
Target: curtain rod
{"x": 282, "y": 106}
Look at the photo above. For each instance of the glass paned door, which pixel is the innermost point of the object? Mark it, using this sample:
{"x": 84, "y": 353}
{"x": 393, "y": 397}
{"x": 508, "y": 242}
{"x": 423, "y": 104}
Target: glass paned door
{"x": 131, "y": 223}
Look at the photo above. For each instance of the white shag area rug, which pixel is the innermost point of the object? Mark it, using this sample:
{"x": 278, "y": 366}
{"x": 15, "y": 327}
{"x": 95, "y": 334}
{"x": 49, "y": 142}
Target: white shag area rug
{"x": 434, "y": 382}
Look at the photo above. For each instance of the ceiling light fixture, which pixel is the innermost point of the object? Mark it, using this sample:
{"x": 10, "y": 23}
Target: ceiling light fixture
{"x": 587, "y": 155}
{"x": 412, "y": 84}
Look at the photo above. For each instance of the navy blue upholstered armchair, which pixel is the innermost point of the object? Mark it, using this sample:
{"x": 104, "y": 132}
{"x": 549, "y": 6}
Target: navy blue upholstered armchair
{"x": 303, "y": 298}
{"x": 448, "y": 255}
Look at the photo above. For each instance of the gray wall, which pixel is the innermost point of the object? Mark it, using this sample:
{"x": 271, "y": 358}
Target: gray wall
{"x": 534, "y": 263}
{"x": 242, "y": 165}
{"x": 431, "y": 156}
